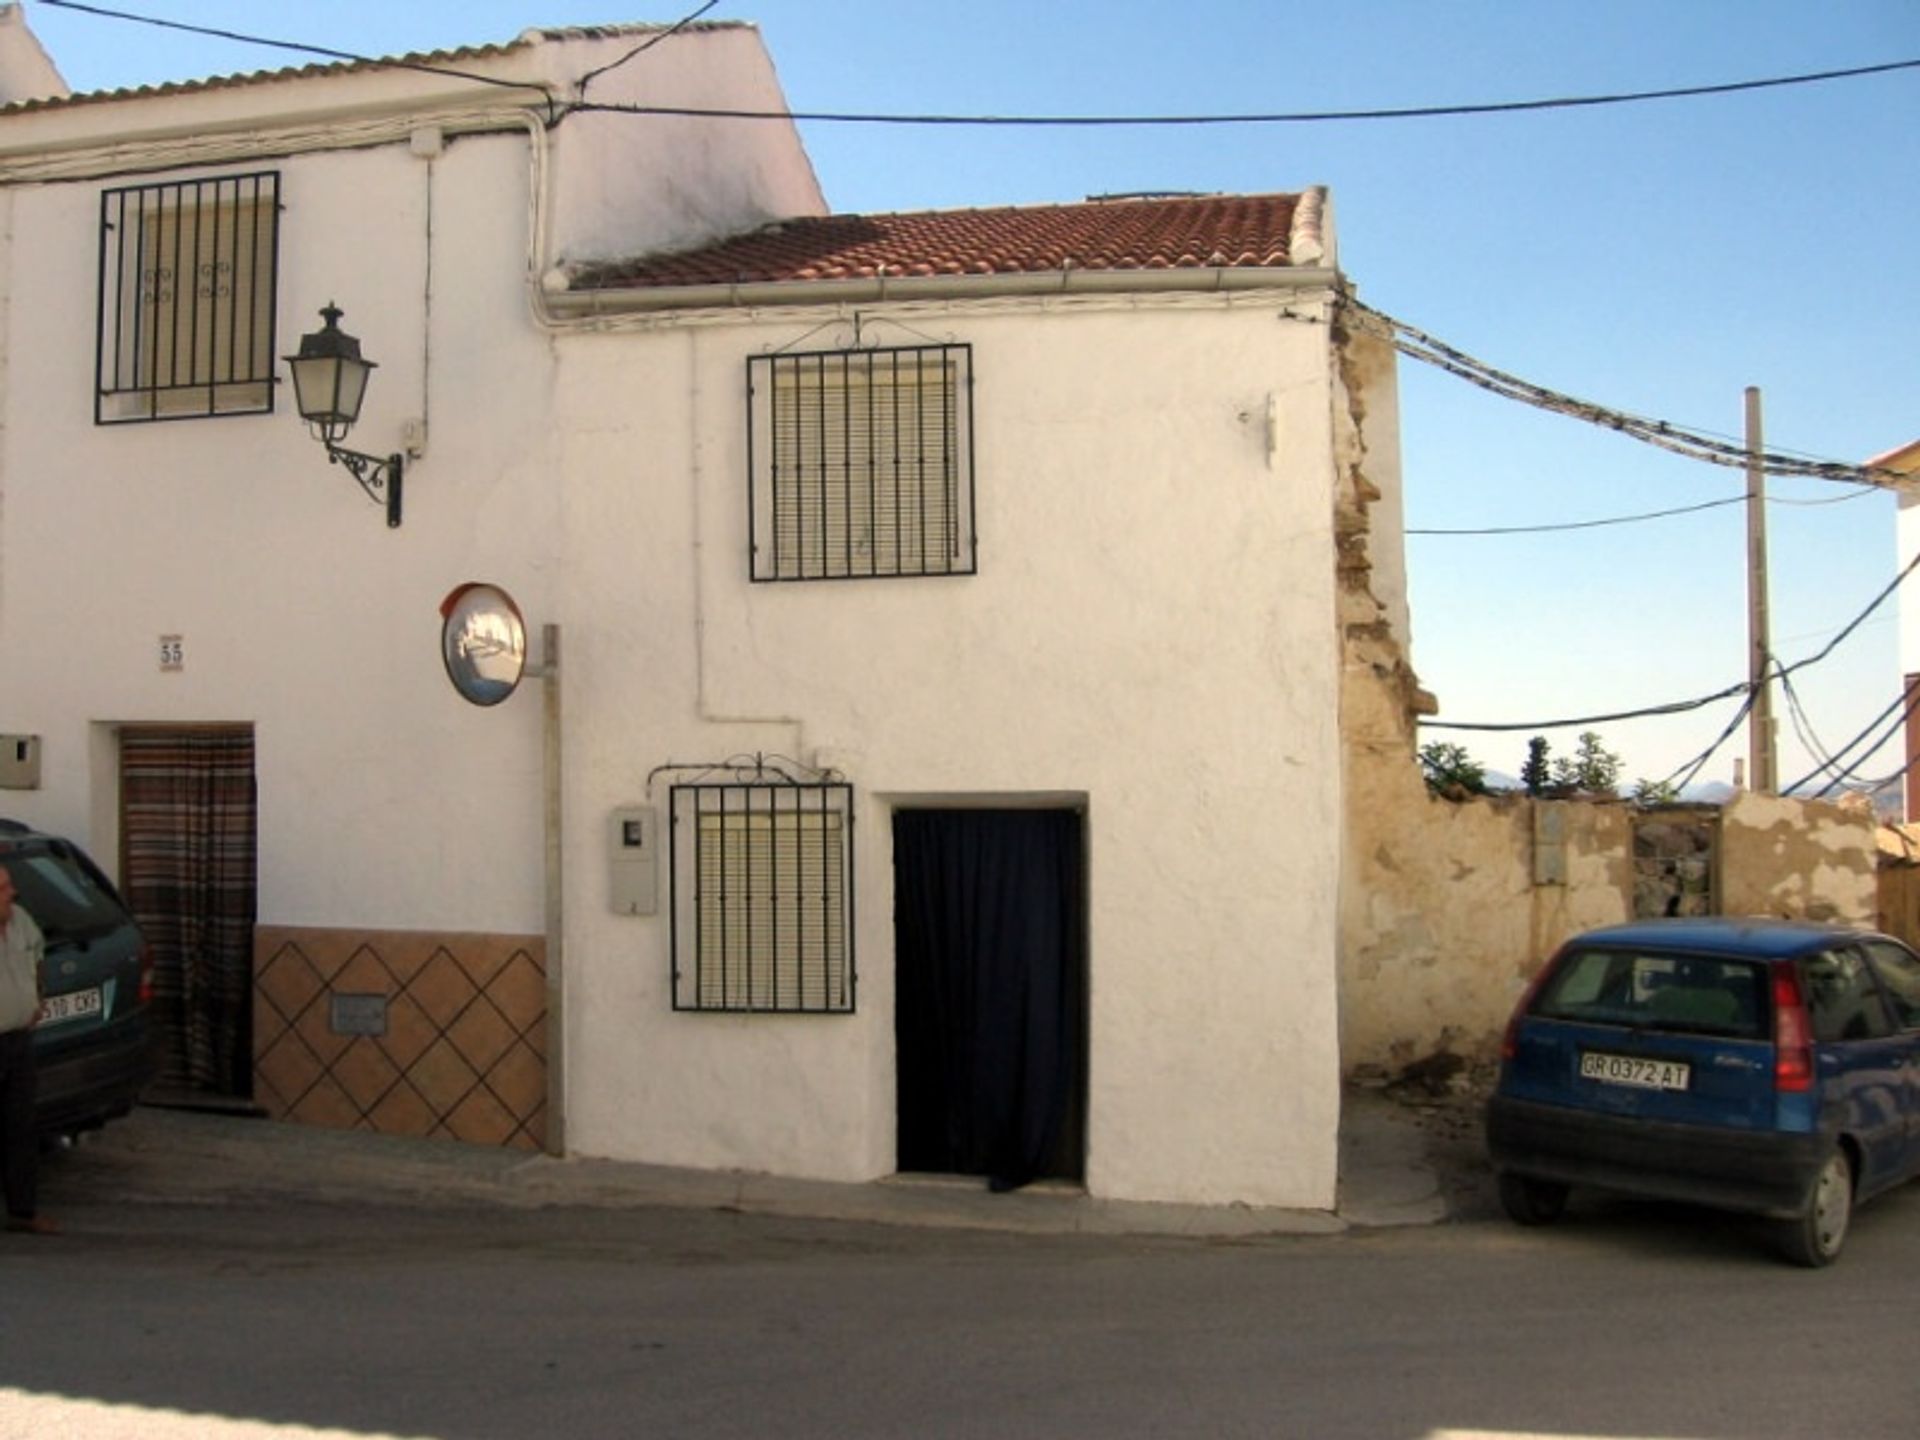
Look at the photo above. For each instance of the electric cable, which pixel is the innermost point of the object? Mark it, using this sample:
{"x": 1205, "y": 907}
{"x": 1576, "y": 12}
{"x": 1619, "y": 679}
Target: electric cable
{"x": 1678, "y": 707}
{"x": 1678, "y": 439}
{"x": 1545, "y": 529}
{"x": 1689, "y": 771}
{"x": 1409, "y": 112}
{"x": 1296, "y": 117}
{"x": 646, "y": 45}
{"x": 1907, "y": 703}
{"x": 1583, "y": 524}
{"x": 295, "y": 46}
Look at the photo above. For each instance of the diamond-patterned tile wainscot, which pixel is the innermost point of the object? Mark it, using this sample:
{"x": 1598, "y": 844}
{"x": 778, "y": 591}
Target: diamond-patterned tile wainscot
{"x": 402, "y": 1032}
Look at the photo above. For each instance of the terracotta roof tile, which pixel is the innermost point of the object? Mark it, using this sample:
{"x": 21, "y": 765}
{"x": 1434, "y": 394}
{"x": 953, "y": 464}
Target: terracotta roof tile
{"x": 1213, "y": 231}
{"x": 452, "y": 59}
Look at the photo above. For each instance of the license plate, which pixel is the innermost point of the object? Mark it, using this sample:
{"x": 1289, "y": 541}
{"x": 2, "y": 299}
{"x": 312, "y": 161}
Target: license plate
{"x": 76, "y": 1005}
{"x": 1633, "y": 1070}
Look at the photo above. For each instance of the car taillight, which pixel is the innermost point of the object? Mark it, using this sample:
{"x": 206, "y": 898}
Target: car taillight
{"x": 1510, "y": 1041}
{"x": 1792, "y": 1034}
{"x": 146, "y": 975}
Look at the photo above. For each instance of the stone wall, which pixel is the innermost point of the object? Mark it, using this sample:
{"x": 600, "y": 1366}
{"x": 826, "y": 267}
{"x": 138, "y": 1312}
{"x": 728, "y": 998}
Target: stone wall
{"x": 1448, "y": 908}
{"x": 1452, "y": 905}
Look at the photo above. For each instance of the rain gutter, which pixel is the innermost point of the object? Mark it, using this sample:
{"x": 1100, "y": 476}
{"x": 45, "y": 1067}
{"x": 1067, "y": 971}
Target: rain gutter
{"x": 585, "y": 303}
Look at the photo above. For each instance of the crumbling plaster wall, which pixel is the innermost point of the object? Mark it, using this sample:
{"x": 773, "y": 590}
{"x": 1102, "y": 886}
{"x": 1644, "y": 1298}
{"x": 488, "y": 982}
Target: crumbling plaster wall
{"x": 1442, "y": 919}
{"x": 1799, "y": 859}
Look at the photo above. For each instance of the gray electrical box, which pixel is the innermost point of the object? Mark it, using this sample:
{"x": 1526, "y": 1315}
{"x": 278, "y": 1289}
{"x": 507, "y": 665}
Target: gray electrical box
{"x": 633, "y": 860}
{"x": 19, "y": 762}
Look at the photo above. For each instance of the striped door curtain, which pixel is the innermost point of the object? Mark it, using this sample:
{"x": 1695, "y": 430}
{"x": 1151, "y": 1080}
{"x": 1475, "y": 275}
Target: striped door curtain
{"x": 187, "y": 871}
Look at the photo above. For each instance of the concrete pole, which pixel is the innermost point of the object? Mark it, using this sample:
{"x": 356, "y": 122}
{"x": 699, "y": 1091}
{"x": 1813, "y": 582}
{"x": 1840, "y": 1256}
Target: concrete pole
{"x": 1760, "y": 724}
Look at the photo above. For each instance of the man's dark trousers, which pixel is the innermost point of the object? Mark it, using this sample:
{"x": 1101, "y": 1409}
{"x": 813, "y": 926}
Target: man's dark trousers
{"x": 19, "y": 1154}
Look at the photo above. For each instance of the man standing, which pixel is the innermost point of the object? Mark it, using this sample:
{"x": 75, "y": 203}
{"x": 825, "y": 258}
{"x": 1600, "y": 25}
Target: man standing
{"x": 20, "y": 949}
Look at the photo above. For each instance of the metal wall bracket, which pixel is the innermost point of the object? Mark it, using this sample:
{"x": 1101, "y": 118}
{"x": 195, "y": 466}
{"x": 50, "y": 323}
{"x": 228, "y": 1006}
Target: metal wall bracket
{"x": 379, "y": 478}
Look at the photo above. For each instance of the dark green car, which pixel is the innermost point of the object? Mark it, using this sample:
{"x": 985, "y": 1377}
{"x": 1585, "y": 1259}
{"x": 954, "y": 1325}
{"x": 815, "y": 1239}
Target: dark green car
{"x": 91, "y": 1045}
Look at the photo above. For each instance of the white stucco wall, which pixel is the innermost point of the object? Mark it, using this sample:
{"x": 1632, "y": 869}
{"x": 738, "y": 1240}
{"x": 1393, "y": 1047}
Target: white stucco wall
{"x": 1151, "y": 628}
{"x": 1151, "y": 636}
{"x": 300, "y": 611}
{"x": 681, "y": 179}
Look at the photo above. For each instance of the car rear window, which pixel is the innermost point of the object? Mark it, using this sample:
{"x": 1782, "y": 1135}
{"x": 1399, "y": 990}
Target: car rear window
{"x": 1652, "y": 991}
{"x": 61, "y": 894}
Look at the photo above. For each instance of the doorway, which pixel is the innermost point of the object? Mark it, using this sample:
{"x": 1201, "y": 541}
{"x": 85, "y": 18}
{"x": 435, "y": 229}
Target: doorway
{"x": 188, "y": 842}
{"x": 990, "y": 1014}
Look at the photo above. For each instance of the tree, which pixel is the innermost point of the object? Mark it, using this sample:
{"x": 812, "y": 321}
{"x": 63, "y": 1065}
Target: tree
{"x": 1655, "y": 792}
{"x": 1536, "y": 774}
{"x": 1450, "y": 770}
{"x": 1593, "y": 767}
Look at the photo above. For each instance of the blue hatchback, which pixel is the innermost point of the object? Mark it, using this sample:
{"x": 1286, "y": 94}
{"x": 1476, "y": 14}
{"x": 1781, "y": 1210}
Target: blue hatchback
{"x": 1770, "y": 1067}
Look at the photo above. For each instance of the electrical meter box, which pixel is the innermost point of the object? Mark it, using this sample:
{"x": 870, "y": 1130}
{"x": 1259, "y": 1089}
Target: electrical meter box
{"x": 633, "y": 860}
{"x": 19, "y": 762}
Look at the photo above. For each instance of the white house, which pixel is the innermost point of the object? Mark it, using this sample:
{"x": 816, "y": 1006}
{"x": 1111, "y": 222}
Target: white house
{"x": 931, "y": 754}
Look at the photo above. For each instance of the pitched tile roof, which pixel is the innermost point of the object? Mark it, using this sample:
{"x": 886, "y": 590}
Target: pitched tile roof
{"x": 450, "y": 60}
{"x": 1213, "y": 231}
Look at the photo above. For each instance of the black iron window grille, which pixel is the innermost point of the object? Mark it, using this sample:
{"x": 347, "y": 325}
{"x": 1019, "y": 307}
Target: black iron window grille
{"x": 862, "y": 463}
{"x": 763, "y": 897}
{"x": 188, "y": 277}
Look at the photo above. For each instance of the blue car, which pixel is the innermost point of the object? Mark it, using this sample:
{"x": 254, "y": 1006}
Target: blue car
{"x": 1768, "y": 1067}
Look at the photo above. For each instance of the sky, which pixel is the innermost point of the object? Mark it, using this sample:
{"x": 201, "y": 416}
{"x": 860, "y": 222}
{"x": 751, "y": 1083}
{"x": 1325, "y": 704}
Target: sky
{"x": 1657, "y": 258}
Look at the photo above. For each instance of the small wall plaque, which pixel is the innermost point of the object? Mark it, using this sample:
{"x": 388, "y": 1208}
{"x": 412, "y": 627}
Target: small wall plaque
{"x": 359, "y": 1014}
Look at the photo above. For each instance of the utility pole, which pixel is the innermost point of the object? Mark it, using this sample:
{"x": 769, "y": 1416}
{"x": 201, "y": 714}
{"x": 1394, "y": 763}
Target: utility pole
{"x": 1760, "y": 745}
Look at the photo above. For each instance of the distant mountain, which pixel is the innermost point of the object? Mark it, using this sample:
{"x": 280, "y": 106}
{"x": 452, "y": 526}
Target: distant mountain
{"x": 1711, "y": 792}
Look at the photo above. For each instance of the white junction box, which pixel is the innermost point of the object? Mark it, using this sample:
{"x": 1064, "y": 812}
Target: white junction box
{"x": 633, "y": 860}
{"x": 19, "y": 762}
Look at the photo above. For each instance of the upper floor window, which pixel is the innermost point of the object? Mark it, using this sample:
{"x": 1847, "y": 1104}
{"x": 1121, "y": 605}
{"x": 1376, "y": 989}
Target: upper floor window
{"x": 862, "y": 463}
{"x": 187, "y": 281}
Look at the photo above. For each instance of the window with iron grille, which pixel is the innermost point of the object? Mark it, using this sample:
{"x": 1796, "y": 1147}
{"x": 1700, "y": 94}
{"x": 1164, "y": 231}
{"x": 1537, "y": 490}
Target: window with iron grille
{"x": 862, "y": 463}
{"x": 763, "y": 898}
{"x": 188, "y": 271}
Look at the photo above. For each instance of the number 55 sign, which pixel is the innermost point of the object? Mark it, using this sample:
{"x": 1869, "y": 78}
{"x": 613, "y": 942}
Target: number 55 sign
{"x": 173, "y": 653}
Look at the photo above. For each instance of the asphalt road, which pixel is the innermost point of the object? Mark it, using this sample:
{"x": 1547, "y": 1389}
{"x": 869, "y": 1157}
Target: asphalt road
{"x": 276, "y": 1318}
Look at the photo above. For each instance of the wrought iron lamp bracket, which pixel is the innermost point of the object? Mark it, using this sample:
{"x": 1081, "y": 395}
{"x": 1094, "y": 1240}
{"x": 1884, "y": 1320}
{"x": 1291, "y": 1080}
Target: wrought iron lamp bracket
{"x": 380, "y": 478}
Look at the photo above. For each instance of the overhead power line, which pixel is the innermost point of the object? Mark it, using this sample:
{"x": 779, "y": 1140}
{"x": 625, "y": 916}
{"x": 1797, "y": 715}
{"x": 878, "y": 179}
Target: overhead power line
{"x": 647, "y": 44}
{"x": 1906, "y": 704}
{"x": 1586, "y": 524}
{"x": 1679, "y": 439}
{"x": 297, "y": 47}
{"x": 1680, "y": 707}
{"x": 1295, "y": 117}
{"x": 1546, "y": 529}
{"x": 1284, "y": 117}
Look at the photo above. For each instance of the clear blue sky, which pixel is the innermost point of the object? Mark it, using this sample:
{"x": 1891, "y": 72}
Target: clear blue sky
{"x": 1658, "y": 258}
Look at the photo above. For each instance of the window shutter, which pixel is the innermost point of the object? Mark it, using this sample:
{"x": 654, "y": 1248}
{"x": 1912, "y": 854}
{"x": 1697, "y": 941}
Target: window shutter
{"x": 867, "y": 466}
{"x": 762, "y": 898}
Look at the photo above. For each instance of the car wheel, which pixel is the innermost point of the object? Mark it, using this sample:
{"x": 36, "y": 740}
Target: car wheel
{"x": 1814, "y": 1237}
{"x": 1531, "y": 1202}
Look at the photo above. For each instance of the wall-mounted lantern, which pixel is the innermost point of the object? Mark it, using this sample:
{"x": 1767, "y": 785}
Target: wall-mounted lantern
{"x": 329, "y": 382}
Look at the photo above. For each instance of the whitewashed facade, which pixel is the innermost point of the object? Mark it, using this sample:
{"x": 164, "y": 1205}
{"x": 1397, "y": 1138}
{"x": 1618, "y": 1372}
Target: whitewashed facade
{"x": 1152, "y": 638}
